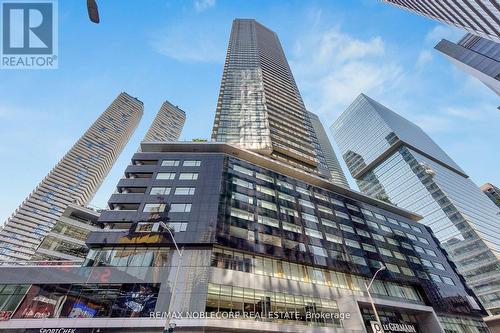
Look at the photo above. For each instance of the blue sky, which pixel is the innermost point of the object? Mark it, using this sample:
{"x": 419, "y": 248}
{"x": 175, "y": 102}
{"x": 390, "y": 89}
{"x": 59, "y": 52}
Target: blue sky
{"x": 157, "y": 50}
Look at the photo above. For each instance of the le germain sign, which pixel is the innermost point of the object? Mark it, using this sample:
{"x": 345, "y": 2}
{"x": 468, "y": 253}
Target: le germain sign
{"x": 392, "y": 328}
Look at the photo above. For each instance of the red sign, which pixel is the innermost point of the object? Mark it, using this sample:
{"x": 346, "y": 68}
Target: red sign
{"x": 5, "y": 315}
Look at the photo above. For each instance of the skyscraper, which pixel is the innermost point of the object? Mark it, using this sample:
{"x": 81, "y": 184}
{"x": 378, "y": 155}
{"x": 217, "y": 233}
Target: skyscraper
{"x": 394, "y": 160}
{"x": 492, "y": 192}
{"x": 479, "y": 17}
{"x": 259, "y": 106}
{"x": 332, "y": 163}
{"x": 233, "y": 240}
{"x": 477, "y": 56}
{"x": 74, "y": 179}
{"x": 167, "y": 125}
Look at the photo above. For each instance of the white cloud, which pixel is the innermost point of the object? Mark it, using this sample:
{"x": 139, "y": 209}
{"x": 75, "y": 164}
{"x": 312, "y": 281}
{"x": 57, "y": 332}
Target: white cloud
{"x": 424, "y": 58}
{"x": 341, "y": 67}
{"x": 443, "y": 32}
{"x": 188, "y": 43}
{"x": 201, "y": 5}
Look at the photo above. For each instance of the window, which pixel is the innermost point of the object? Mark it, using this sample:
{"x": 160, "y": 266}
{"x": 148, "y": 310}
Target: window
{"x": 242, "y": 214}
{"x": 320, "y": 196}
{"x": 346, "y": 228}
{"x": 306, "y": 203}
{"x": 367, "y": 212}
{"x": 406, "y": 245}
{"x": 266, "y": 205}
{"x": 358, "y": 260}
{"x": 319, "y": 251}
{"x": 302, "y": 190}
{"x": 270, "y": 239}
{"x": 188, "y": 176}
{"x": 160, "y": 190}
{"x": 289, "y": 211}
{"x": 378, "y": 237}
{"x": 414, "y": 260}
{"x": 422, "y": 275}
{"x": 265, "y": 190}
{"x": 392, "y": 268}
{"x": 337, "y": 202}
{"x": 191, "y": 163}
{"x": 407, "y": 271}
{"x": 430, "y": 252}
{"x": 292, "y": 227}
{"x": 180, "y": 208}
{"x": 438, "y": 265}
{"x": 243, "y": 170}
{"x": 165, "y": 175}
{"x": 284, "y": 184}
{"x": 357, "y": 219}
{"x": 352, "y": 243}
{"x": 392, "y": 241}
{"x": 352, "y": 207}
{"x": 435, "y": 277}
{"x": 447, "y": 280}
{"x": 184, "y": 191}
{"x": 342, "y": 215}
{"x": 333, "y": 238}
{"x": 385, "y": 252}
{"x": 369, "y": 248}
{"x": 170, "y": 163}
{"x": 324, "y": 209}
{"x": 411, "y": 236}
{"x": 418, "y": 249}
{"x": 393, "y": 221}
{"x": 267, "y": 221}
{"x": 329, "y": 223}
{"x": 286, "y": 197}
{"x": 153, "y": 208}
{"x": 423, "y": 240}
{"x": 241, "y": 197}
{"x": 264, "y": 177}
{"x": 309, "y": 217}
{"x": 385, "y": 228}
{"x": 363, "y": 233}
{"x": 313, "y": 233}
{"x": 399, "y": 233}
{"x": 380, "y": 216}
{"x": 242, "y": 183}
{"x": 372, "y": 224}
{"x": 398, "y": 255}
{"x": 404, "y": 225}
{"x": 147, "y": 227}
{"x": 415, "y": 228}
{"x": 178, "y": 226}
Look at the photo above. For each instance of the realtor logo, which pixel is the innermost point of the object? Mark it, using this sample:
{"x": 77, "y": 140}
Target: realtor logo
{"x": 29, "y": 34}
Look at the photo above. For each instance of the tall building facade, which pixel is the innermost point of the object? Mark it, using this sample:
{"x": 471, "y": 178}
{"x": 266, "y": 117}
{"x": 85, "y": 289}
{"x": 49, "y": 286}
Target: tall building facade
{"x": 325, "y": 146}
{"x": 479, "y": 17}
{"x": 74, "y": 179}
{"x": 253, "y": 243}
{"x": 66, "y": 240}
{"x": 265, "y": 247}
{"x": 167, "y": 125}
{"x": 477, "y": 56}
{"x": 394, "y": 160}
{"x": 259, "y": 106}
{"x": 492, "y": 192}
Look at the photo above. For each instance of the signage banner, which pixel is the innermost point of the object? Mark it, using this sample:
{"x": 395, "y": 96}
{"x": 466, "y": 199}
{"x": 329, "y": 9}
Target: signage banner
{"x": 392, "y": 327}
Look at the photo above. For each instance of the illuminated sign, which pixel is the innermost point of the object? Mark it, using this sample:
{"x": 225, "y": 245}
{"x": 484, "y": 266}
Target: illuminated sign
{"x": 392, "y": 327}
{"x": 5, "y": 315}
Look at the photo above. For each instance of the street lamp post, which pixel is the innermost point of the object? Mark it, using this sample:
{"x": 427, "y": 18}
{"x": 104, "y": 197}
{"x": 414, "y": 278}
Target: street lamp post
{"x": 170, "y": 325}
{"x": 377, "y": 318}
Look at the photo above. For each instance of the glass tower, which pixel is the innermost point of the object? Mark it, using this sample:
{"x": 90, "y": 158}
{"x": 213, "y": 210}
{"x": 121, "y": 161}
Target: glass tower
{"x": 74, "y": 179}
{"x": 167, "y": 125}
{"x": 331, "y": 162}
{"x": 479, "y": 17}
{"x": 477, "y": 56}
{"x": 259, "y": 106}
{"x": 393, "y": 160}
